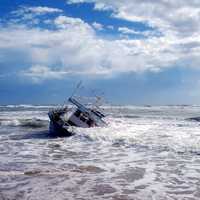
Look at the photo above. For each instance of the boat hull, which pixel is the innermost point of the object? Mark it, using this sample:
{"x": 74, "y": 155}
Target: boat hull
{"x": 58, "y": 130}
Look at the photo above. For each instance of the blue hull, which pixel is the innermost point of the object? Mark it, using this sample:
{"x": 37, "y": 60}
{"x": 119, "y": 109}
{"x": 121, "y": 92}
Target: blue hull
{"x": 57, "y": 130}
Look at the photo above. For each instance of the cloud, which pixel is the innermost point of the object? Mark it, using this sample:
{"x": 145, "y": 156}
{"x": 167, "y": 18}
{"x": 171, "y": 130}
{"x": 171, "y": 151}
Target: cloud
{"x": 73, "y": 46}
{"x": 39, "y": 10}
{"x": 127, "y": 31}
{"x": 97, "y": 26}
{"x": 31, "y": 15}
{"x": 67, "y": 22}
{"x": 77, "y": 49}
{"x": 180, "y": 18}
{"x": 110, "y": 27}
{"x": 40, "y": 72}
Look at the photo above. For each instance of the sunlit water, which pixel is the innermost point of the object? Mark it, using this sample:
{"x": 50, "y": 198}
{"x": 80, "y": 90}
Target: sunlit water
{"x": 143, "y": 153}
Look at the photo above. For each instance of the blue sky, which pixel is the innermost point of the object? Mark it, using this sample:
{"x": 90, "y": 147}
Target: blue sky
{"x": 134, "y": 51}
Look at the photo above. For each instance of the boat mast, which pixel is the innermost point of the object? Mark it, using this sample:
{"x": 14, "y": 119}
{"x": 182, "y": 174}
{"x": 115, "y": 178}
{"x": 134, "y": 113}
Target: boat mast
{"x": 77, "y": 87}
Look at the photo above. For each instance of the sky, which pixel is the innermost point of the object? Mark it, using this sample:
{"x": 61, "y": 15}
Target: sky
{"x": 137, "y": 52}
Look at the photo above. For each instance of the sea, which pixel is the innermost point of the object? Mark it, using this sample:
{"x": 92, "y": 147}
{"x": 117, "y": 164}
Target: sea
{"x": 144, "y": 153}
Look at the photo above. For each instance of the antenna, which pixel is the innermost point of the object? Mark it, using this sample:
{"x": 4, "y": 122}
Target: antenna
{"x": 75, "y": 90}
{"x": 77, "y": 87}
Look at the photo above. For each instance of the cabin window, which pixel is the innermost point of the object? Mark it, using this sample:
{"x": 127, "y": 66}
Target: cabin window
{"x": 77, "y": 113}
{"x": 90, "y": 122}
{"x": 82, "y": 118}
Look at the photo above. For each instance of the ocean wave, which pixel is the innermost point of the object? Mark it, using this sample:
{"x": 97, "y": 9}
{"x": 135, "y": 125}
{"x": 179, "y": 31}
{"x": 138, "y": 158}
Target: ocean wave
{"x": 27, "y": 106}
{"x": 176, "y": 136}
{"x": 127, "y": 116}
{"x": 29, "y": 123}
{"x": 196, "y": 119}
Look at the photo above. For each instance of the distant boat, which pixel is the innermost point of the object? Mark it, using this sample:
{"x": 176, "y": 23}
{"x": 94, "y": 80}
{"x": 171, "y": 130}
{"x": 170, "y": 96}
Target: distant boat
{"x": 63, "y": 119}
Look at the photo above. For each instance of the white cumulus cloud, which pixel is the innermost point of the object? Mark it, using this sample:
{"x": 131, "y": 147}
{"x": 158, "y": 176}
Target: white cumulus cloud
{"x": 97, "y": 26}
{"x": 37, "y": 10}
{"x": 180, "y": 17}
{"x": 72, "y": 46}
{"x": 41, "y": 72}
{"x": 31, "y": 14}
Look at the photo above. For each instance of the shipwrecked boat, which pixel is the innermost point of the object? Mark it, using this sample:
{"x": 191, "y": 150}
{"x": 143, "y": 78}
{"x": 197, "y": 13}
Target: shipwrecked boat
{"x": 62, "y": 120}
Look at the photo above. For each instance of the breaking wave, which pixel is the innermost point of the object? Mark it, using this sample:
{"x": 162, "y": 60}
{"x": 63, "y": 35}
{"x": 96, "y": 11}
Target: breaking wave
{"x": 29, "y": 123}
{"x": 195, "y": 119}
{"x": 157, "y": 135}
{"x": 27, "y": 106}
{"x": 144, "y": 152}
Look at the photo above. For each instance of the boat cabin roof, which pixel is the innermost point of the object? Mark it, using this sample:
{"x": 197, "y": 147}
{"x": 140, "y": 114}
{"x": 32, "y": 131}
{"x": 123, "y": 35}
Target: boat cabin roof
{"x": 96, "y": 115}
